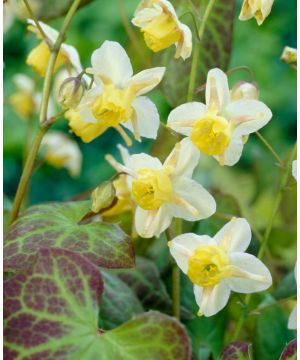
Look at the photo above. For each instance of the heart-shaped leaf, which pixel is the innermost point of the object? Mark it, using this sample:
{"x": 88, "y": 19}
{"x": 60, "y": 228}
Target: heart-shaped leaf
{"x": 51, "y": 312}
{"x": 290, "y": 351}
{"x": 214, "y": 48}
{"x": 58, "y": 225}
{"x": 118, "y": 303}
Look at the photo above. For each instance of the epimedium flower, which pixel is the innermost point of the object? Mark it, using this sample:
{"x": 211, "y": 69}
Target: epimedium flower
{"x": 292, "y": 322}
{"x": 161, "y": 27}
{"x": 163, "y": 191}
{"x": 216, "y": 266}
{"x": 259, "y": 9}
{"x": 219, "y": 127}
{"x": 62, "y": 152}
{"x": 38, "y": 57}
{"x": 116, "y": 99}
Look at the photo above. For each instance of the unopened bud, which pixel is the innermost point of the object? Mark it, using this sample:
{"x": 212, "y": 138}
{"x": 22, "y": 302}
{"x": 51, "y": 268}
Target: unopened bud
{"x": 289, "y": 55}
{"x": 71, "y": 92}
{"x": 103, "y": 196}
{"x": 244, "y": 90}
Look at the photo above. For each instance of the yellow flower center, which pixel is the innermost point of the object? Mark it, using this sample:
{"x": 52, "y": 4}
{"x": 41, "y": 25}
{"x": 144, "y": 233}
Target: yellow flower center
{"x": 39, "y": 56}
{"x": 23, "y": 104}
{"x": 152, "y": 188}
{"x": 211, "y": 134}
{"x": 113, "y": 105}
{"x": 86, "y": 131}
{"x": 161, "y": 32}
{"x": 208, "y": 265}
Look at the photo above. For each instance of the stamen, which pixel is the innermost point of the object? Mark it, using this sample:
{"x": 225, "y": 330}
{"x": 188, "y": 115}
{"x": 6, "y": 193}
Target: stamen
{"x": 124, "y": 136}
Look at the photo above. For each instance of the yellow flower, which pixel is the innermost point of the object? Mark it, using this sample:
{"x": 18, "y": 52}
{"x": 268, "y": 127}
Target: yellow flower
{"x": 62, "y": 152}
{"x": 220, "y": 127}
{"x": 115, "y": 100}
{"x": 39, "y": 56}
{"x": 24, "y": 100}
{"x": 216, "y": 266}
{"x": 161, "y": 27}
{"x": 259, "y": 9}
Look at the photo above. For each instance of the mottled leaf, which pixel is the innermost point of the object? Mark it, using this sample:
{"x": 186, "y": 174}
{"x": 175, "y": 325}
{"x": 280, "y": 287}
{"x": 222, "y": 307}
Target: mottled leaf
{"x": 58, "y": 225}
{"x": 237, "y": 350}
{"x": 290, "y": 351}
{"x": 214, "y": 49}
{"x": 271, "y": 333}
{"x": 145, "y": 282}
{"x": 118, "y": 303}
{"x": 51, "y": 312}
{"x": 51, "y": 308}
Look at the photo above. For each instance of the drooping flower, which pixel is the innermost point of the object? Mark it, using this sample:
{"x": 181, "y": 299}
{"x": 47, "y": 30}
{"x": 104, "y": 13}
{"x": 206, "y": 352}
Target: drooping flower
{"x": 39, "y": 56}
{"x": 259, "y": 9}
{"x": 116, "y": 99}
{"x": 216, "y": 266}
{"x": 292, "y": 323}
{"x": 219, "y": 128}
{"x": 244, "y": 90}
{"x": 62, "y": 152}
{"x": 24, "y": 100}
{"x": 163, "y": 191}
{"x": 161, "y": 27}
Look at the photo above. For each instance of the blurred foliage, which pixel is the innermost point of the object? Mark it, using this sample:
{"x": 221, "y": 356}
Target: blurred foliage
{"x": 247, "y": 189}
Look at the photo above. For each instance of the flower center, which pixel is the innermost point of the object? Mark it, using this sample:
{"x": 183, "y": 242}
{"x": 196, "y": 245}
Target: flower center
{"x": 38, "y": 59}
{"x": 113, "y": 105}
{"x": 207, "y": 265}
{"x": 211, "y": 134}
{"x": 152, "y": 188}
{"x": 161, "y": 32}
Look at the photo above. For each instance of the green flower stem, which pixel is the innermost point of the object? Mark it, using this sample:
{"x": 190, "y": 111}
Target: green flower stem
{"x": 28, "y": 167}
{"x": 270, "y": 148}
{"x": 196, "y": 53}
{"x": 263, "y": 246}
{"x": 34, "y": 18}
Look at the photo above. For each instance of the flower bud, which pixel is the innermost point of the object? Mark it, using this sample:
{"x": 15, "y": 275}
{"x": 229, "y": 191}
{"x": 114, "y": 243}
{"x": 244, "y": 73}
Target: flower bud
{"x": 103, "y": 196}
{"x": 71, "y": 92}
{"x": 244, "y": 90}
{"x": 289, "y": 55}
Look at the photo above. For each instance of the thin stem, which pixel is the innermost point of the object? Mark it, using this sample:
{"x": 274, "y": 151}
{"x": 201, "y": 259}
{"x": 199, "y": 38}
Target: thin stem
{"x": 193, "y": 73}
{"x": 270, "y": 148}
{"x": 26, "y": 173}
{"x": 194, "y": 23}
{"x": 28, "y": 168}
{"x": 131, "y": 34}
{"x": 37, "y": 24}
{"x": 264, "y": 242}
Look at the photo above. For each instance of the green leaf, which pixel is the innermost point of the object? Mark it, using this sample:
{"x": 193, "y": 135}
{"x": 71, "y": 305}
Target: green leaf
{"x": 287, "y": 287}
{"x": 215, "y": 47}
{"x": 58, "y": 225}
{"x": 271, "y": 333}
{"x": 51, "y": 312}
{"x": 145, "y": 282}
{"x": 118, "y": 303}
{"x": 290, "y": 351}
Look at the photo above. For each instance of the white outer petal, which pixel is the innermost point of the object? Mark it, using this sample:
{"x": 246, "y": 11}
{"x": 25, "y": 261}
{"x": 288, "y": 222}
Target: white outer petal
{"x": 186, "y": 113}
{"x": 235, "y": 236}
{"x": 51, "y": 33}
{"x": 195, "y": 195}
{"x": 124, "y": 154}
{"x": 187, "y": 160}
{"x": 217, "y": 83}
{"x": 147, "y": 118}
{"x": 233, "y": 152}
{"x": 212, "y": 299}
{"x": 252, "y": 265}
{"x": 292, "y": 323}
{"x": 144, "y": 15}
{"x": 185, "y": 48}
{"x": 252, "y": 115}
{"x": 160, "y": 222}
{"x": 142, "y": 160}
{"x": 112, "y": 62}
{"x": 183, "y": 246}
{"x": 73, "y": 57}
{"x": 150, "y": 78}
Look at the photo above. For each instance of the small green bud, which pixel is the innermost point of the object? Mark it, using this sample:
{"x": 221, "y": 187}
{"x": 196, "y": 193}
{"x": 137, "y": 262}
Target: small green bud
{"x": 71, "y": 92}
{"x": 103, "y": 196}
